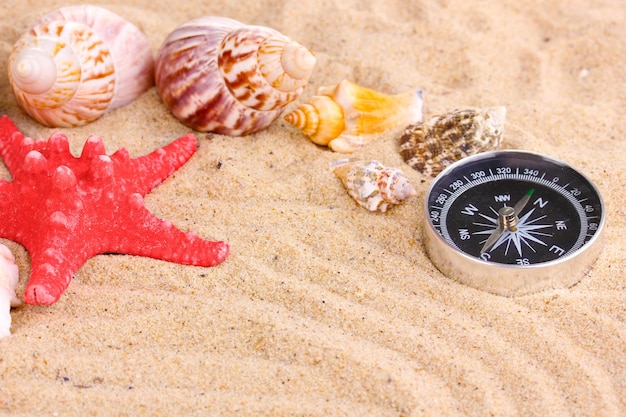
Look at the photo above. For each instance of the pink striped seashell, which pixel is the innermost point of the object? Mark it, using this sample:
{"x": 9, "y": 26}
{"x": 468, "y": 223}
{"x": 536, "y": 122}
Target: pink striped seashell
{"x": 216, "y": 74}
{"x": 76, "y": 63}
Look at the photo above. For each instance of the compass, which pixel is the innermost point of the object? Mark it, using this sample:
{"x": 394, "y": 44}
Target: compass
{"x": 513, "y": 222}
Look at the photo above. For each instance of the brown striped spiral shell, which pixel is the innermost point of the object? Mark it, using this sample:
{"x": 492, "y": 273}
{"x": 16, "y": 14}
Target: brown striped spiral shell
{"x": 216, "y": 74}
{"x": 430, "y": 146}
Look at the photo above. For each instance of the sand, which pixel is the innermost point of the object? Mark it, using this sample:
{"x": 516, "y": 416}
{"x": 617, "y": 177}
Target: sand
{"x": 322, "y": 307}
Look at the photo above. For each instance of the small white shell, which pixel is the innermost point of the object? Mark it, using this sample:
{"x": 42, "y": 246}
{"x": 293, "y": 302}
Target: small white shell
{"x": 76, "y": 63}
{"x": 8, "y": 280}
{"x": 344, "y": 116}
{"x": 371, "y": 184}
{"x": 219, "y": 75}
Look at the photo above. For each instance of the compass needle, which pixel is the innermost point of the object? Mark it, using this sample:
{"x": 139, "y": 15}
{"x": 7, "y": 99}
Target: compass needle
{"x": 493, "y": 238}
{"x": 522, "y": 203}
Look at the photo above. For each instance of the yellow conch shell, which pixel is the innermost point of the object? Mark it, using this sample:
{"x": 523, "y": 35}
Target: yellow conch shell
{"x": 343, "y": 115}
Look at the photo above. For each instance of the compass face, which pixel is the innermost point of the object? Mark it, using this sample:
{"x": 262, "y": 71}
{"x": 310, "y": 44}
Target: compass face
{"x": 513, "y": 207}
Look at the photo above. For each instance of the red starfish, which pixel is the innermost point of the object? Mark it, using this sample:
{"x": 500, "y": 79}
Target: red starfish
{"x": 64, "y": 209}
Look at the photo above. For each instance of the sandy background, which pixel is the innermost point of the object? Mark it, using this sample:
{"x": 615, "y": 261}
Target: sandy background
{"x": 324, "y": 308}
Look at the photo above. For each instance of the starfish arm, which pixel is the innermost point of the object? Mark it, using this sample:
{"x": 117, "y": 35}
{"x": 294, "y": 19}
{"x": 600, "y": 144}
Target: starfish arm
{"x": 53, "y": 264}
{"x": 56, "y": 258}
{"x": 148, "y": 171}
{"x": 13, "y": 144}
{"x": 7, "y": 210}
{"x": 160, "y": 239}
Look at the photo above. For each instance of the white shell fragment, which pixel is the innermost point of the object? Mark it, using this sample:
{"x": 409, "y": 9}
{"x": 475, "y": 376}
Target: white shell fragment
{"x": 371, "y": 184}
{"x": 8, "y": 280}
{"x": 77, "y": 63}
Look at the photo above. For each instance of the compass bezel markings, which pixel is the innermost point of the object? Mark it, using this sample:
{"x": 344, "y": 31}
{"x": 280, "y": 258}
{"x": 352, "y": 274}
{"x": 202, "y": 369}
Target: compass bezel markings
{"x": 540, "y": 178}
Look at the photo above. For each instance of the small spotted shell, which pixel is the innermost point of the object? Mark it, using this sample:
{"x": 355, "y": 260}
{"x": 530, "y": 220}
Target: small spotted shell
{"x": 8, "y": 281}
{"x": 431, "y": 146}
{"x": 219, "y": 75}
{"x": 76, "y": 63}
{"x": 371, "y": 184}
{"x": 342, "y": 116}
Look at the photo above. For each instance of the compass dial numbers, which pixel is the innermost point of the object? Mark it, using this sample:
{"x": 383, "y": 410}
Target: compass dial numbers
{"x": 561, "y": 213}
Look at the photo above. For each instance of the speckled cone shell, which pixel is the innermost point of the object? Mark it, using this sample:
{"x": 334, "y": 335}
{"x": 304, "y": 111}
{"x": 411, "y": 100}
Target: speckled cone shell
{"x": 431, "y": 146}
{"x": 76, "y": 63}
{"x": 371, "y": 184}
{"x": 8, "y": 282}
{"x": 219, "y": 75}
{"x": 342, "y": 116}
